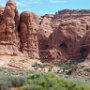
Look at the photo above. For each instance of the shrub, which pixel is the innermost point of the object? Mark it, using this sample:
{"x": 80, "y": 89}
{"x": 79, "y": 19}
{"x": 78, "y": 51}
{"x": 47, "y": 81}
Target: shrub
{"x": 17, "y": 81}
{"x": 41, "y": 81}
{"x": 50, "y": 81}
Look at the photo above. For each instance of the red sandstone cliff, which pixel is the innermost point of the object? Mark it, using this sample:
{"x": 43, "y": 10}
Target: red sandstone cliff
{"x": 62, "y": 36}
{"x": 29, "y": 24}
{"x": 69, "y": 37}
{"x": 8, "y": 38}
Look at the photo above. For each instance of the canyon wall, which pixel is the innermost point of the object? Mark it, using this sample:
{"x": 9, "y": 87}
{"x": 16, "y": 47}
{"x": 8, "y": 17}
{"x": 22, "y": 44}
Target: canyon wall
{"x": 62, "y": 36}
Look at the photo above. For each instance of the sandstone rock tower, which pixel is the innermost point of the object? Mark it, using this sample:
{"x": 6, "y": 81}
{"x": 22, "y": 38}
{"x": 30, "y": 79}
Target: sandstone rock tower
{"x": 18, "y": 34}
{"x": 8, "y": 38}
{"x": 28, "y": 34}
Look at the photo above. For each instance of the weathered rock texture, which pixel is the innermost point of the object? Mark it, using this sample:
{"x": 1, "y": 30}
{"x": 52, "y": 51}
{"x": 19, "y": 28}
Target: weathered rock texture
{"x": 29, "y": 24}
{"x": 69, "y": 37}
{"x": 8, "y": 37}
{"x": 62, "y": 36}
{"x": 18, "y": 34}
{"x": 44, "y": 32}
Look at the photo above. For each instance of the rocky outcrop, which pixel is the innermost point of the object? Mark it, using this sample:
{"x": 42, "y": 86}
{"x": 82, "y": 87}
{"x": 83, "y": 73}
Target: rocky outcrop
{"x": 68, "y": 11}
{"x": 1, "y": 13}
{"x": 29, "y": 24}
{"x": 8, "y": 37}
{"x": 63, "y": 36}
{"x": 18, "y": 34}
{"x": 44, "y": 32}
{"x": 81, "y": 69}
{"x": 70, "y": 39}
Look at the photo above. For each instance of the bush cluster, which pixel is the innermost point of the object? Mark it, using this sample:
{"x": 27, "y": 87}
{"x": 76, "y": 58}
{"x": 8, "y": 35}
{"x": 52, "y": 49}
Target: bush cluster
{"x": 50, "y": 81}
{"x": 41, "y": 81}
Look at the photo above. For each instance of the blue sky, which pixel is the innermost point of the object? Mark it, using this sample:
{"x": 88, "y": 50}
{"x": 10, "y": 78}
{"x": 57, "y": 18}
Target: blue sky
{"x": 42, "y": 7}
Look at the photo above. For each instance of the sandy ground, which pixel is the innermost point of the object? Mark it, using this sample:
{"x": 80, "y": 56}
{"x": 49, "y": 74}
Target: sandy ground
{"x": 24, "y": 63}
{"x": 17, "y": 62}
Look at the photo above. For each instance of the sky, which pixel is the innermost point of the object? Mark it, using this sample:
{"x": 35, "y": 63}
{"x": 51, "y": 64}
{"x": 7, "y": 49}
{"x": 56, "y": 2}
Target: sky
{"x": 42, "y": 7}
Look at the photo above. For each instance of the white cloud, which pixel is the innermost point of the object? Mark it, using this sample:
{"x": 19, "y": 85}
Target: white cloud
{"x": 26, "y": 2}
{"x": 21, "y": 3}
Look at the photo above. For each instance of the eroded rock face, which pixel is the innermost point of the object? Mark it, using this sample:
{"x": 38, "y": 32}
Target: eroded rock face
{"x": 1, "y": 13}
{"x": 70, "y": 37}
{"x": 28, "y": 34}
{"x": 62, "y": 36}
{"x": 43, "y": 34}
{"x": 8, "y": 38}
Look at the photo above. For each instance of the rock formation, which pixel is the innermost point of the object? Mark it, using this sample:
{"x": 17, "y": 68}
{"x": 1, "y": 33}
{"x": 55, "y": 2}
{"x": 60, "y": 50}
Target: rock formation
{"x": 61, "y": 36}
{"x": 70, "y": 37}
{"x": 28, "y": 34}
{"x": 44, "y": 33}
{"x": 8, "y": 37}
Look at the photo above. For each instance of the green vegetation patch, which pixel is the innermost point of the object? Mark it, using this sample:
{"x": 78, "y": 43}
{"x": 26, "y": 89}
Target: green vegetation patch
{"x": 39, "y": 81}
{"x": 51, "y": 81}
